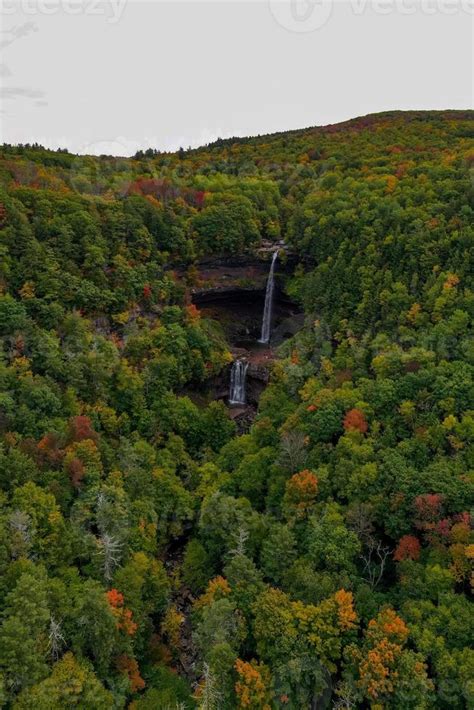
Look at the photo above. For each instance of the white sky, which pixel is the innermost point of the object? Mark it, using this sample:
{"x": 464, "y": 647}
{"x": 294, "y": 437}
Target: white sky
{"x": 126, "y": 74}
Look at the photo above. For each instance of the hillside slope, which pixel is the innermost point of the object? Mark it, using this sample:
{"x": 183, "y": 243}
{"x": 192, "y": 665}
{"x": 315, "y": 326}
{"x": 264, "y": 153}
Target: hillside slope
{"x": 152, "y": 558}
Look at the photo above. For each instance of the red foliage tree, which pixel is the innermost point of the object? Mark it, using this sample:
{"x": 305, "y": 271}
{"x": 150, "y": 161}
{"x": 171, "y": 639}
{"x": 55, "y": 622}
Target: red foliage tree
{"x": 129, "y": 667}
{"x": 48, "y": 449}
{"x": 443, "y": 528}
{"x": 123, "y": 615}
{"x": 428, "y": 510}
{"x": 193, "y": 312}
{"x": 408, "y": 548}
{"x": 80, "y": 428}
{"x": 355, "y": 421}
{"x": 76, "y": 472}
{"x": 199, "y": 198}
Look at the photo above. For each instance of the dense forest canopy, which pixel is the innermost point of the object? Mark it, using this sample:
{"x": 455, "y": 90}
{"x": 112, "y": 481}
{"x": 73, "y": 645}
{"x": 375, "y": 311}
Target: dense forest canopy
{"x": 150, "y": 556}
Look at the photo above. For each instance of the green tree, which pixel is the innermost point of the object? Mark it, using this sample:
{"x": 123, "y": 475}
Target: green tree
{"x": 24, "y": 632}
{"x": 71, "y": 684}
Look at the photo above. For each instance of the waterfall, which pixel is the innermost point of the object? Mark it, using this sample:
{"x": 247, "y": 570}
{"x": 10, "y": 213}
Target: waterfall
{"x": 267, "y": 310}
{"x": 237, "y": 382}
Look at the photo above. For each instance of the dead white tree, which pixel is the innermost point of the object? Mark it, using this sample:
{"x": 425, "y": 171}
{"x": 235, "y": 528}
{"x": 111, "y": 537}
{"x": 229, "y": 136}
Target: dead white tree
{"x": 110, "y": 551}
{"x": 292, "y": 451}
{"x": 241, "y": 539}
{"x": 374, "y": 558}
{"x": 101, "y": 511}
{"x": 210, "y": 697}
{"x": 345, "y": 697}
{"x": 56, "y": 641}
{"x": 20, "y": 526}
{"x": 360, "y": 520}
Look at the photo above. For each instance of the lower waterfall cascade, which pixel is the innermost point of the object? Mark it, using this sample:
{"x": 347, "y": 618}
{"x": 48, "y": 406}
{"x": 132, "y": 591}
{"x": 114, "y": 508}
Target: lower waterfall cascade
{"x": 238, "y": 375}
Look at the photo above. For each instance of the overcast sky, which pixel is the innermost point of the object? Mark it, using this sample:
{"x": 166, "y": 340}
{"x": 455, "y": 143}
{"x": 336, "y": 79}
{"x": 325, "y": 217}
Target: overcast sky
{"x": 126, "y": 75}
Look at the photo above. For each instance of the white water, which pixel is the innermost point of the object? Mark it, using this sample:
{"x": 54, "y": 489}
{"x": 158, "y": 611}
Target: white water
{"x": 268, "y": 308}
{"x": 237, "y": 382}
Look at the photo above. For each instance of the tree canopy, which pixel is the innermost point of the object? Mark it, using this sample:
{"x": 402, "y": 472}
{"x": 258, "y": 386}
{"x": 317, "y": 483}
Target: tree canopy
{"x": 152, "y": 557}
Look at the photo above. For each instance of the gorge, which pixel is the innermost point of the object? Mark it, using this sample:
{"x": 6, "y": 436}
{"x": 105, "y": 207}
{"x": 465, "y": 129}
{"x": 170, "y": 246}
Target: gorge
{"x": 238, "y": 373}
{"x": 307, "y": 543}
{"x": 247, "y": 296}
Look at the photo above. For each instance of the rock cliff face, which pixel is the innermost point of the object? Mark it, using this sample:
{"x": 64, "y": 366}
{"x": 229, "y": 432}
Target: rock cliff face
{"x": 210, "y": 277}
{"x": 258, "y": 375}
{"x": 259, "y": 371}
{"x": 232, "y": 291}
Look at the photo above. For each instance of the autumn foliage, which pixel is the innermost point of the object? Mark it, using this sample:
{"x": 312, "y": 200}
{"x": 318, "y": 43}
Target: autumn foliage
{"x": 347, "y": 491}
{"x": 123, "y": 615}
{"x": 301, "y": 492}
{"x": 346, "y": 614}
{"x": 129, "y": 667}
{"x": 171, "y": 627}
{"x": 408, "y": 548}
{"x": 385, "y": 638}
{"x": 355, "y": 421}
{"x": 115, "y": 598}
{"x": 80, "y": 428}
{"x": 193, "y": 312}
{"x": 428, "y": 509}
{"x": 49, "y": 449}
{"x": 253, "y": 686}
{"x": 76, "y": 471}
{"x": 217, "y": 588}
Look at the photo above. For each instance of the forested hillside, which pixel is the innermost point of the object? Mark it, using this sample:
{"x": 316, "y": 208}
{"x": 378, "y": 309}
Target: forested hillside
{"x": 153, "y": 558}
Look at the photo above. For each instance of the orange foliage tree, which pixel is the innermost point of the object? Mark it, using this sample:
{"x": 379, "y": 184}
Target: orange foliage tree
{"x": 301, "y": 492}
{"x": 384, "y": 667}
{"x": 193, "y": 312}
{"x": 217, "y": 588}
{"x": 129, "y": 667}
{"x": 253, "y": 686}
{"x": 355, "y": 421}
{"x": 123, "y": 615}
{"x": 346, "y": 615}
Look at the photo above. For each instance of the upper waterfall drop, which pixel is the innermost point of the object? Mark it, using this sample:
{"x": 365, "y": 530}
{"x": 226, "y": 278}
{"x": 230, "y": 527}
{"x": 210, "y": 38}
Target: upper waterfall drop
{"x": 268, "y": 308}
{"x": 238, "y": 374}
